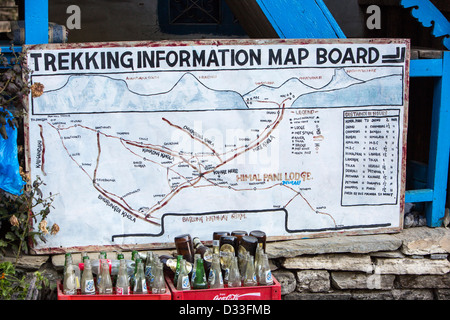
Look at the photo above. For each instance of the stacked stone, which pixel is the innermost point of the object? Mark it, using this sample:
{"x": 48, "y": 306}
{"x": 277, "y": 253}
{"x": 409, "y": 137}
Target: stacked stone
{"x": 409, "y": 265}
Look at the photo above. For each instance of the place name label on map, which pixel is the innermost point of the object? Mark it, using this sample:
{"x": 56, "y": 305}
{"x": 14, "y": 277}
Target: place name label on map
{"x": 370, "y": 159}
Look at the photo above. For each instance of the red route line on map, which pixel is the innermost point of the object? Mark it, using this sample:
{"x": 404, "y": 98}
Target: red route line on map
{"x": 188, "y": 183}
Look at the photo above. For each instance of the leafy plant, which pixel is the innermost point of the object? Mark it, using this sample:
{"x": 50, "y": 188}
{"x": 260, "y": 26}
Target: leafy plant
{"x": 18, "y": 213}
{"x": 14, "y": 89}
{"x": 31, "y": 207}
{"x": 15, "y": 286}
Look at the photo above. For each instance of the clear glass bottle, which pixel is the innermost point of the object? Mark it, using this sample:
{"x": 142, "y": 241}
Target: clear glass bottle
{"x": 122, "y": 283}
{"x": 105, "y": 285}
{"x": 69, "y": 284}
{"x": 265, "y": 278}
{"x": 159, "y": 285}
{"x": 234, "y": 277}
{"x": 140, "y": 284}
{"x": 183, "y": 282}
{"x": 76, "y": 269}
{"x": 215, "y": 279}
{"x": 151, "y": 278}
{"x": 148, "y": 266}
{"x": 87, "y": 279}
{"x": 249, "y": 275}
{"x": 258, "y": 262}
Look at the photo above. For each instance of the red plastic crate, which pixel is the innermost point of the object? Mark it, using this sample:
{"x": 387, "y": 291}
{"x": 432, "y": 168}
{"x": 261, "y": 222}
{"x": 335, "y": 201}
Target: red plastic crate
{"x": 148, "y": 296}
{"x": 272, "y": 292}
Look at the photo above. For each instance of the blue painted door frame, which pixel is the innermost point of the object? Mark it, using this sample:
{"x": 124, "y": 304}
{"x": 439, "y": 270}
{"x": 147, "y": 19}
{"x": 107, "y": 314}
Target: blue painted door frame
{"x": 438, "y": 163}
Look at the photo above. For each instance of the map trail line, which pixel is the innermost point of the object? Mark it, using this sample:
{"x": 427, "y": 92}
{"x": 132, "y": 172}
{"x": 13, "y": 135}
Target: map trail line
{"x": 236, "y": 152}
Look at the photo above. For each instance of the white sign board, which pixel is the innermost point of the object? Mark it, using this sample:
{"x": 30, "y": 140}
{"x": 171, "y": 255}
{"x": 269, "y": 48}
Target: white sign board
{"x": 146, "y": 141}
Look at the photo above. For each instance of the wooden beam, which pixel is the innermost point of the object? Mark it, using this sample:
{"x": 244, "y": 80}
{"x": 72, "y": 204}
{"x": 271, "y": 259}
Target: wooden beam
{"x": 286, "y": 19}
{"x": 252, "y": 19}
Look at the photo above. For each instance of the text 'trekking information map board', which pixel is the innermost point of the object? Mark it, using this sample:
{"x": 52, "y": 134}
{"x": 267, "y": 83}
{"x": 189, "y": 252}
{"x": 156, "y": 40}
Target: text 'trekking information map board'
{"x": 142, "y": 142}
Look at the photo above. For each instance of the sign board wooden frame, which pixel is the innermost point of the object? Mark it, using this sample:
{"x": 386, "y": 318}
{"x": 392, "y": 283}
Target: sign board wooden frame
{"x": 143, "y": 141}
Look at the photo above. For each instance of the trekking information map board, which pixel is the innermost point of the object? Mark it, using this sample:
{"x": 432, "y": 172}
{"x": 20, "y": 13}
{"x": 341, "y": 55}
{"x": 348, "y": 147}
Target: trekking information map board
{"x": 144, "y": 141}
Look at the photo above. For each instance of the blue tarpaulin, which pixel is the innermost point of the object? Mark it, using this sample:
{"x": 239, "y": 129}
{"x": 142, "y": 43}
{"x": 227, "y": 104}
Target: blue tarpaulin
{"x": 10, "y": 179}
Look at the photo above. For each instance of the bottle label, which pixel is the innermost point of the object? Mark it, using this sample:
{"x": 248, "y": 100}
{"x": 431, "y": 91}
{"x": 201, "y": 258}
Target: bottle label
{"x": 70, "y": 291}
{"x": 120, "y": 290}
{"x": 148, "y": 271}
{"x": 226, "y": 274}
{"x": 269, "y": 277}
{"x": 89, "y": 286}
{"x": 144, "y": 285}
{"x": 185, "y": 282}
{"x": 211, "y": 277}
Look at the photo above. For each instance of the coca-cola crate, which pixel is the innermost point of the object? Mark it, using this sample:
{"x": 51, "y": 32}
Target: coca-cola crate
{"x": 272, "y": 292}
{"x": 113, "y": 296}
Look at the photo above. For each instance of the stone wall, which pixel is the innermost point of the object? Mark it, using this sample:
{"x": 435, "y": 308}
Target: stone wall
{"x": 409, "y": 265}
{"x": 413, "y": 264}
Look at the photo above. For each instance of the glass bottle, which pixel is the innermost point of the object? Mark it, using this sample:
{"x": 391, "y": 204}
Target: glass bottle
{"x": 155, "y": 263}
{"x": 265, "y": 278}
{"x": 185, "y": 247}
{"x": 183, "y": 278}
{"x": 216, "y": 240}
{"x": 228, "y": 248}
{"x": 261, "y": 236}
{"x": 205, "y": 252}
{"x": 234, "y": 277}
{"x": 215, "y": 279}
{"x": 148, "y": 267}
{"x": 194, "y": 269}
{"x": 258, "y": 262}
{"x": 134, "y": 255}
{"x": 76, "y": 269}
{"x": 84, "y": 256}
{"x": 159, "y": 285}
{"x": 87, "y": 279}
{"x": 140, "y": 284}
{"x": 199, "y": 281}
{"x": 122, "y": 283}
{"x": 105, "y": 285}
{"x": 239, "y": 234}
{"x": 249, "y": 275}
{"x": 249, "y": 244}
{"x": 69, "y": 284}
{"x": 178, "y": 269}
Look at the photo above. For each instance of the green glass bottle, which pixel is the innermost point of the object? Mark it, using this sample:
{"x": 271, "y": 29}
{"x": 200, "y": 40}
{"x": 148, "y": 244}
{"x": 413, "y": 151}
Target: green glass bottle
{"x": 177, "y": 270}
{"x": 200, "y": 276}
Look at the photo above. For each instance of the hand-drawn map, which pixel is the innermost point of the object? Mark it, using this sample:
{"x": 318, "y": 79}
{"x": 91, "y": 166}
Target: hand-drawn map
{"x": 142, "y": 142}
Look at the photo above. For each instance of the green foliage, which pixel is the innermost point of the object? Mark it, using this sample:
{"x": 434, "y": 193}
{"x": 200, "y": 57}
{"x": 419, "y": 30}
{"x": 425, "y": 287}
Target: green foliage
{"x": 22, "y": 212}
{"x": 14, "y": 89}
{"x": 13, "y": 285}
{"x": 18, "y": 214}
